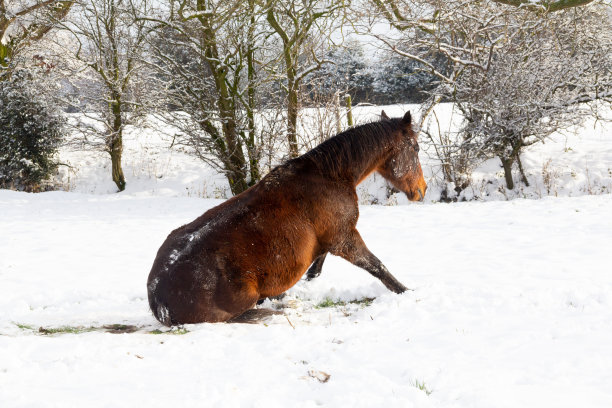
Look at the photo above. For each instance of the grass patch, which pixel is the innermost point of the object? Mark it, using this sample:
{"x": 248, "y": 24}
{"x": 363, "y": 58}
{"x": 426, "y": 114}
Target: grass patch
{"x": 365, "y": 302}
{"x": 109, "y": 328}
{"x": 179, "y": 331}
{"x": 329, "y": 303}
{"x": 421, "y": 386}
{"x": 120, "y": 328}
{"x": 66, "y": 330}
{"x": 24, "y": 326}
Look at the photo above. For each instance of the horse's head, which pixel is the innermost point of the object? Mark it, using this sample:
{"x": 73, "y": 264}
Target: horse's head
{"x": 402, "y": 168}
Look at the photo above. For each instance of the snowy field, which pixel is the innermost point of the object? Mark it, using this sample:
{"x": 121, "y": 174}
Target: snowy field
{"x": 512, "y": 306}
{"x": 511, "y": 303}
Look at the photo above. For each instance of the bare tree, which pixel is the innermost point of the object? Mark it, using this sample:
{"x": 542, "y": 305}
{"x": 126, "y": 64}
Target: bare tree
{"x": 536, "y": 84}
{"x": 205, "y": 51}
{"x": 517, "y": 76}
{"x": 108, "y": 48}
{"x": 547, "y": 6}
{"x": 300, "y": 25}
{"x": 24, "y": 21}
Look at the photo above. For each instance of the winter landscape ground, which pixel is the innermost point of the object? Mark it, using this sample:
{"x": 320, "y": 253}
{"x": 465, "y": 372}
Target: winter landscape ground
{"x": 511, "y": 303}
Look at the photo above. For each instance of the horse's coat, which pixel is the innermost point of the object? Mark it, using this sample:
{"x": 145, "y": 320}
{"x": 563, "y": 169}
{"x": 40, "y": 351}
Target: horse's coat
{"x": 259, "y": 243}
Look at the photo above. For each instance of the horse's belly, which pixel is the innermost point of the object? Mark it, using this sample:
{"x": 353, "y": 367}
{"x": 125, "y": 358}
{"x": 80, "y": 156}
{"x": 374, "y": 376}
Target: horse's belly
{"x": 287, "y": 267}
{"x": 280, "y": 282}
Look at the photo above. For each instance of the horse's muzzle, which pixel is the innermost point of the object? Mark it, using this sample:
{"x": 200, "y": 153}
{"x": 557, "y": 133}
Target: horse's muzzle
{"x": 416, "y": 195}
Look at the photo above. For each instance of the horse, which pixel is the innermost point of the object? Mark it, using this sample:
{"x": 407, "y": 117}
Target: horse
{"x": 260, "y": 242}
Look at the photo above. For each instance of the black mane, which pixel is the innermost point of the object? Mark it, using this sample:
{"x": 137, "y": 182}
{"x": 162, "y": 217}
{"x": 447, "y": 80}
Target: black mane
{"x": 339, "y": 153}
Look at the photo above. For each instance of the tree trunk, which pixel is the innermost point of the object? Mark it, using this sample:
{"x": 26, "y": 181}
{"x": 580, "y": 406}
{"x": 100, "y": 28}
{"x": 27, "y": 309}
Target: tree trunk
{"x": 233, "y": 167}
{"x": 507, "y": 164}
{"x": 290, "y": 56}
{"x": 252, "y": 150}
{"x": 233, "y": 156}
{"x": 337, "y": 112}
{"x": 292, "y": 114}
{"x": 520, "y": 166}
{"x": 115, "y": 145}
{"x": 117, "y": 171}
{"x": 349, "y": 110}
{"x": 237, "y": 181}
{"x": 236, "y": 162}
{"x": 5, "y": 55}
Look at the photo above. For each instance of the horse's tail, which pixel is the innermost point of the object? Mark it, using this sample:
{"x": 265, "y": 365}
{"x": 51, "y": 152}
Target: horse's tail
{"x": 161, "y": 313}
{"x": 158, "y": 307}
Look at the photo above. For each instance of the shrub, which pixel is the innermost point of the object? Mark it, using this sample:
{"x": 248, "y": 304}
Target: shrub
{"x": 31, "y": 130}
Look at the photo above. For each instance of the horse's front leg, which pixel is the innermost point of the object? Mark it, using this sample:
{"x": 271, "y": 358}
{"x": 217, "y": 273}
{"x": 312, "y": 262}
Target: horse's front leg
{"x": 354, "y": 250}
{"x": 315, "y": 269}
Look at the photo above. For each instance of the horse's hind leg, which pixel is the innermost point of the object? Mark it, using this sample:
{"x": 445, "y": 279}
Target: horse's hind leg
{"x": 315, "y": 269}
{"x": 355, "y": 251}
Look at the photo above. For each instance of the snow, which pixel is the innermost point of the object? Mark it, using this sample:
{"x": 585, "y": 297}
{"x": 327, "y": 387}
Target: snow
{"x": 511, "y": 307}
{"x": 511, "y": 303}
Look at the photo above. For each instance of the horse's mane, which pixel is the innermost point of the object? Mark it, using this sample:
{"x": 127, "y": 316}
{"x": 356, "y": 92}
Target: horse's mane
{"x": 352, "y": 146}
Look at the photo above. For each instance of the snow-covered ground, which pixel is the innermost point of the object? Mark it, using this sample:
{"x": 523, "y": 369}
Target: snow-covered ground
{"x": 511, "y": 307}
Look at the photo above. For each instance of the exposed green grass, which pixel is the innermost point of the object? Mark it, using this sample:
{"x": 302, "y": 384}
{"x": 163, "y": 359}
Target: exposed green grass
{"x": 66, "y": 330}
{"x": 24, "y": 326}
{"x": 365, "y": 302}
{"x": 330, "y": 303}
{"x": 176, "y": 331}
{"x": 421, "y": 386}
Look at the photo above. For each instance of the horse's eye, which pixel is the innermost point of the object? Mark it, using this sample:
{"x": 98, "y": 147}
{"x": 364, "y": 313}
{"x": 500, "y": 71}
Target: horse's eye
{"x": 416, "y": 148}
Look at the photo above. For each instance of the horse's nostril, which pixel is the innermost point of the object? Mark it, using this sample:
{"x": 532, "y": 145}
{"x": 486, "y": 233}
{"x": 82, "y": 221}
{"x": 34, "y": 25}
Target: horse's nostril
{"x": 420, "y": 194}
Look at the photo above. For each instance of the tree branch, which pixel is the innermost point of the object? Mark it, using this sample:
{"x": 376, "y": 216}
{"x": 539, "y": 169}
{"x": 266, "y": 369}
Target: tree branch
{"x": 550, "y": 6}
{"x": 34, "y": 7}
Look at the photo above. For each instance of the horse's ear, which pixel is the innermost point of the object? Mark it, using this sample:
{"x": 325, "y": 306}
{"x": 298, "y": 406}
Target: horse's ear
{"x": 407, "y": 118}
{"x": 383, "y": 115}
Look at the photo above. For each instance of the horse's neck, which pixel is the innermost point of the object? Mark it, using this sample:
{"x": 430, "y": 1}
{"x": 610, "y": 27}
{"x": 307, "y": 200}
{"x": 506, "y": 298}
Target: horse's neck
{"x": 352, "y": 157}
{"x": 369, "y": 161}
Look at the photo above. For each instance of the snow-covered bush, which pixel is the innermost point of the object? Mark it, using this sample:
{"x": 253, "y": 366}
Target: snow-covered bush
{"x": 347, "y": 71}
{"x": 516, "y": 74}
{"x": 30, "y": 133}
{"x": 400, "y": 79}
{"x": 535, "y": 83}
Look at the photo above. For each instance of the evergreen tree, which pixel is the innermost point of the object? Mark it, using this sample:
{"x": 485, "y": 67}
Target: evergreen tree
{"x": 31, "y": 131}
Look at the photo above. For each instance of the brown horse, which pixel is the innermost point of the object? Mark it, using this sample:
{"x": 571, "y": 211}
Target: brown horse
{"x": 259, "y": 243}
